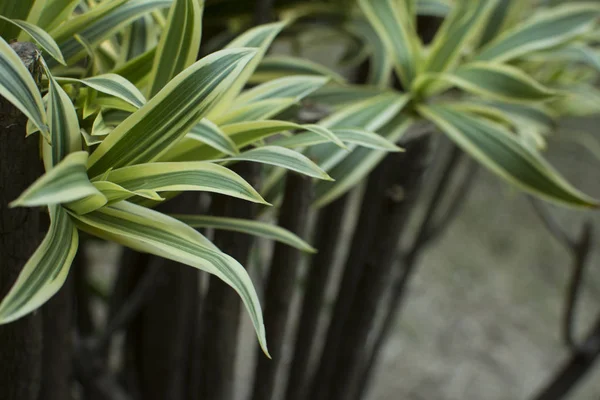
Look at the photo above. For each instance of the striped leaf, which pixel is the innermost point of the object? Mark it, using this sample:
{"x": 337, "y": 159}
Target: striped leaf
{"x": 337, "y": 96}
{"x": 281, "y": 157}
{"x": 15, "y": 9}
{"x": 210, "y": 134}
{"x": 149, "y": 132}
{"x": 259, "y": 37}
{"x": 179, "y": 43}
{"x": 56, "y": 12}
{"x": 549, "y": 29}
{"x": 46, "y": 271}
{"x": 100, "y": 23}
{"x": 354, "y": 136}
{"x": 291, "y": 87}
{"x": 40, "y": 36}
{"x": 184, "y": 176}
{"x": 391, "y": 21}
{"x": 435, "y": 8}
{"x": 354, "y": 168}
{"x": 67, "y": 181}
{"x": 263, "y": 109}
{"x": 64, "y": 126}
{"x": 381, "y": 61}
{"x": 501, "y": 15}
{"x": 276, "y": 67}
{"x": 113, "y": 85}
{"x": 137, "y": 70}
{"x": 250, "y": 227}
{"x": 501, "y": 152}
{"x": 115, "y": 193}
{"x": 149, "y": 231}
{"x": 501, "y": 82}
{"x": 466, "y": 21}
{"x": 18, "y": 87}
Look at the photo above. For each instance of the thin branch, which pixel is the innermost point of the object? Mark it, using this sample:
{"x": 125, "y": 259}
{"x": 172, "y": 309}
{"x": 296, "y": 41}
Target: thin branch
{"x": 581, "y": 252}
{"x": 551, "y": 224}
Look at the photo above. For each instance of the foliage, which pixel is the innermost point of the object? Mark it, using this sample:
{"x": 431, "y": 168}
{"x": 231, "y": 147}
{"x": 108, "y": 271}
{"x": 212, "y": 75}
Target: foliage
{"x": 127, "y": 118}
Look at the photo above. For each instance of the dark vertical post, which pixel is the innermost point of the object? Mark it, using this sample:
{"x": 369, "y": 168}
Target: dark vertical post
{"x": 20, "y": 341}
{"x": 282, "y": 277}
{"x": 327, "y": 235}
{"x": 400, "y": 177}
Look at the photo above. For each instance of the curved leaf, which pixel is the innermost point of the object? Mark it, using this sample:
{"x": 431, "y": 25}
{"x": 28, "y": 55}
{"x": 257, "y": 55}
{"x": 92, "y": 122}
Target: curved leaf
{"x": 149, "y": 231}
{"x": 291, "y": 87}
{"x": 46, "y": 270}
{"x": 149, "y": 132}
{"x": 505, "y": 155}
{"x": 67, "y": 181}
{"x": 251, "y": 227}
{"x": 274, "y": 67}
{"x": 18, "y": 87}
{"x": 114, "y": 85}
{"x": 184, "y": 176}
{"x": 40, "y": 36}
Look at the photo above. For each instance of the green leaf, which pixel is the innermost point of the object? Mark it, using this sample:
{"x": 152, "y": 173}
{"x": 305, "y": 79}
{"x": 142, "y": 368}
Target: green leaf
{"x": 210, "y": 134}
{"x": 354, "y": 136}
{"x": 100, "y": 23}
{"x": 18, "y": 87}
{"x": 250, "y": 227}
{"x": 501, "y": 82}
{"x": 391, "y": 21}
{"x": 548, "y": 29}
{"x": 499, "y": 18}
{"x": 291, "y": 87}
{"x": 67, "y": 181}
{"x": 259, "y": 37}
{"x": 149, "y": 231}
{"x": 458, "y": 29}
{"x": 263, "y": 109}
{"x": 18, "y": 9}
{"x": 137, "y": 70}
{"x": 343, "y": 95}
{"x": 179, "y": 43}
{"x": 149, "y": 132}
{"x": 381, "y": 63}
{"x": 40, "y": 36}
{"x": 45, "y": 272}
{"x": 64, "y": 125}
{"x": 354, "y": 168}
{"x": 184, "y": 176}
{"x": 114, "y": 85}
{"x": 115, "y": 193}
{"x": 275, "y": 67}
{"x": 282, "y": 157}
{"x": 505, "y": 155}
{"x": 56, "y": 12}
{"x": 434, "y": 8}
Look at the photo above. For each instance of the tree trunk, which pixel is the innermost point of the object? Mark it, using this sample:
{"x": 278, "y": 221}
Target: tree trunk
{"x": 20, "y": 165}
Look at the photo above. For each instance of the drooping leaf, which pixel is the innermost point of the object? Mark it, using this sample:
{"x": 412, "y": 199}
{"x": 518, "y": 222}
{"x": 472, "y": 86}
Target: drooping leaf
{"x": 66, "y": 182}
{"x": 18, "y": 87}
{"x": 149, "y": 231}
{"x": 184, "y": 176}
{"x": 179, "y": 43}
{"x": 505, "y": 155}
{"x": 40, "y": 36}
{"x": 337, "y": 96}
{"x": 548, "y": 29}
{"x": 262, "y": 109}
{"x": 212, "y": 135}
{"x": 14, "y": 9}
{"x": 251, "y": 227}
{"x": 282, "y": 157}
{"x": 500, "y": 82}
{"x": 275, "y": 67}
{"x": 435, "y": 8}
{"x": 354, "y": 136}
{"x": 46, "y": 271}
{"x": 114, "y": 85}
{"x": 56, "y": 12}
{"x": 292, "y": 87}
{"x": 358, "y": 164}
{"x": 149, "y": 132}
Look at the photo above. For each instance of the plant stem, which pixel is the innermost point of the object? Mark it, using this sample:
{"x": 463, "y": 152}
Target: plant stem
{"x": 281, "y": 280}
{"x": 21, "y": 340}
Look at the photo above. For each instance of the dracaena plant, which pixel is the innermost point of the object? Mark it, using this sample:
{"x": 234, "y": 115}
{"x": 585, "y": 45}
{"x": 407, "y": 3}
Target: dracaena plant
{"x": 127, "y": 118}
{"x": 495, "y": 79}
